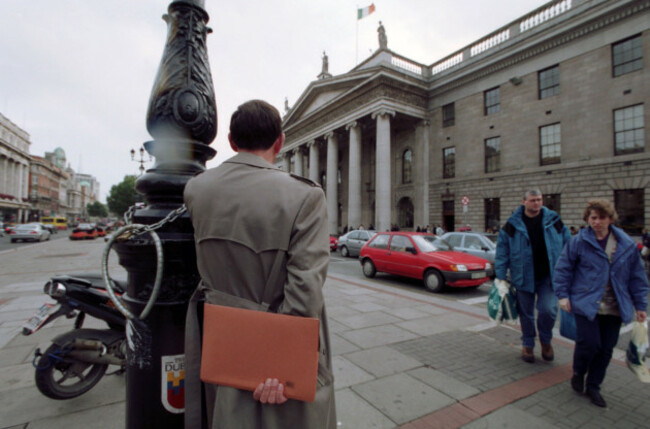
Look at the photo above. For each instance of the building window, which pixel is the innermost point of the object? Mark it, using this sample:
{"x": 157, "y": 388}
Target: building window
{"x": 492, "y": 210}
{"x": 629, "y": 206}
{"x": 448, "y": 115}
{"x": 492, "y": 101}
{"x": 449, "y": 162}
{"x": 549, "y": 82}
{"x": 627, "y": 55}
{"x": 549, "y": 142}
{"x": 407, "y": 163}
{"x": 493, "y": 154}
{"x": 628, "y": 130}
{"x": 552, "y": 201}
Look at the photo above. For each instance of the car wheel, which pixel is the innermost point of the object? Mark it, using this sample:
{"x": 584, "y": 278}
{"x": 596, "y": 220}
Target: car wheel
{"x": 433, "y": 281}
{"x": 345, "y": 252}
{"x": 369, "y": 269}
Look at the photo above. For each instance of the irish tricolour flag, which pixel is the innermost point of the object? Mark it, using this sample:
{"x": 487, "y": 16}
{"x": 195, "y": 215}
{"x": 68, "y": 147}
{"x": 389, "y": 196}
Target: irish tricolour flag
{"x": 365, "y": 11}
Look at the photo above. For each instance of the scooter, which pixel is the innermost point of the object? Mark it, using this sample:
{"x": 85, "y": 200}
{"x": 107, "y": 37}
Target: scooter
{"x": 78, "y": 359}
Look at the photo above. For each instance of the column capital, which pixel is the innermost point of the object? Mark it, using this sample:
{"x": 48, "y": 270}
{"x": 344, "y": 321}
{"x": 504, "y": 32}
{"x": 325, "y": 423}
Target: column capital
{"x": 352, "y": 124}
{"x": 425, "y": 123}
{"x": 382, "y": 112}
{"x": 330, "y": 135}
{"x": 296, "y": 150}
{"x": 312, "y": 143}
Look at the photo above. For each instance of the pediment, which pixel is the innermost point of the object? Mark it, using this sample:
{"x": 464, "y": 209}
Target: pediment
{"x": 323, "y": 92}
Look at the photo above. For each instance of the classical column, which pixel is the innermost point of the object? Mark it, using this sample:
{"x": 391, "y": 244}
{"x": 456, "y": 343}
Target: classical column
{"x": 424, "y": 128}
{"x": 332, "y": 183}
{"x": 3, "y": 179}
{"x": 298, "y": 161}
{"x": 354, "y": 179}
{"x": 26, "y": 181}
{"x": 19, "y": 182}
{"x": 286, "y": 162}
{"x": 313, "y": 161}
{"x": 383, "y": 170}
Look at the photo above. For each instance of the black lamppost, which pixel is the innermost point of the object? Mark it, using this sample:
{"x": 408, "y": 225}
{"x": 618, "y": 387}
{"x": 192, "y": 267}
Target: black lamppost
{"x": 141, "y": 160}
{"x": 182, "y": 119}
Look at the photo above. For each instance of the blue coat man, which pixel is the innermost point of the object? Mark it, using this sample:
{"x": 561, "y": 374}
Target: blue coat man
{"x": 527, "y": 248}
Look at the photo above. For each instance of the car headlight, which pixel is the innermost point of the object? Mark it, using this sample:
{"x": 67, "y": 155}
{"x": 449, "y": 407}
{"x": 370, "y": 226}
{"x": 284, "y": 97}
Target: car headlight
{"x": 488, "y": 266}
{"x": 55, "y": 290}
{"x": 459, "y": 267}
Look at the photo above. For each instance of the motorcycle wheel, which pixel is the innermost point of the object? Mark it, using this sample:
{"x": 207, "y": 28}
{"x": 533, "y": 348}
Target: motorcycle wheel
{"x": 62, "y": 379}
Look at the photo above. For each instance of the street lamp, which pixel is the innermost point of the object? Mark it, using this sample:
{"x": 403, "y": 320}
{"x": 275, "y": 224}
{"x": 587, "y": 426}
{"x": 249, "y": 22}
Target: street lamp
{"x": 140, "y": 160}
{"x": 182, "y": 119}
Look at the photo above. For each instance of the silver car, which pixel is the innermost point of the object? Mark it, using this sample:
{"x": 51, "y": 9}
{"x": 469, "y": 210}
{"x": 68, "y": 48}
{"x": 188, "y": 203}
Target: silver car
{"x": 479, "y": 244}
{"x": 350, "y": 244}
{"x": 29, "y": 232}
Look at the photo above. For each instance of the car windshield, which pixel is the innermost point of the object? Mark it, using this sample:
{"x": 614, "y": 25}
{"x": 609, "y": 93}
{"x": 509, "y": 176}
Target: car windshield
{"x": 492, "y": 237}
{"x": 26, "y": 227}
{"x": 430, "y": 243}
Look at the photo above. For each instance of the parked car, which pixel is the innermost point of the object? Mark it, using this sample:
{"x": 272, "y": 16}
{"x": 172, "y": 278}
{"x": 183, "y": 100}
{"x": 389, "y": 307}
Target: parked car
{"x": 29, "y": 232}
{"x": 423, "y": 256}
{"x": 8, "y": 227}
{"x": 51, "y": 228}
{"x": 479, "y": 244}
{"x": 352, "y": 242}
{"x": 84, "y": 231}
{"x": 334, "y": 242}
{"x": 101, "y": 232}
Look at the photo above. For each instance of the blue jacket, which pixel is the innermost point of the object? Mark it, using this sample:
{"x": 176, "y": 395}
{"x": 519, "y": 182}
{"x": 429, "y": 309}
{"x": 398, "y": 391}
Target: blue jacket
{"x": 514, "y": 251}
{"x": 583, "y": 270}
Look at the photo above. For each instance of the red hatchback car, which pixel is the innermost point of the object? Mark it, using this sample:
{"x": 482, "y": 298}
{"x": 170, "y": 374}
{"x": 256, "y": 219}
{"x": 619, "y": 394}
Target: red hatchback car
{"x": 423, "y": 256}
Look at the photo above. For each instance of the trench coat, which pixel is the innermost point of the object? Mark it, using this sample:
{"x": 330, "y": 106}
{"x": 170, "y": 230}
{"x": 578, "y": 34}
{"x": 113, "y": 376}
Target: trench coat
{"x": 246, "y": 213}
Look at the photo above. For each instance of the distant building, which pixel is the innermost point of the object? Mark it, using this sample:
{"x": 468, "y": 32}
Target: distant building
{"x": 557, "y": 99}
{"x": 14, "y": 172}
{"x": 47, "y": 181}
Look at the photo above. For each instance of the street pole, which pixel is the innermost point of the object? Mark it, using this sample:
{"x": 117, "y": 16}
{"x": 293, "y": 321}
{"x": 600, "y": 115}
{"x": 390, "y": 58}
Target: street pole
{"x": 182, "y": 119}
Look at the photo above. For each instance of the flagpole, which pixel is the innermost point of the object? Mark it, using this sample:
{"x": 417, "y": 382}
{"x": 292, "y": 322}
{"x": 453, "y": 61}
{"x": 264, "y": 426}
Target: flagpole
{"x": 356, "y": 51}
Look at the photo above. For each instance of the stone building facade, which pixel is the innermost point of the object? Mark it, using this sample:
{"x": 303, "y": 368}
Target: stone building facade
{"x": 14, "y": 172}
{"x": 557, "y": 100}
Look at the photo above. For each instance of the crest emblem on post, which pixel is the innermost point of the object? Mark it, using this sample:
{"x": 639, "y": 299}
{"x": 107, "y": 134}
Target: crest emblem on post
{"x": 172, "y": 387}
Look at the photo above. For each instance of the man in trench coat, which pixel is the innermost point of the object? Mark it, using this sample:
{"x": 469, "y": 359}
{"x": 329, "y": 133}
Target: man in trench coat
{"x": 248, "y": 215}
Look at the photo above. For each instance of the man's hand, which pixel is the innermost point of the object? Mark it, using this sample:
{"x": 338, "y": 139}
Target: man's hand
{"x": 270, "y": 392}
{"x": 641, "y": 316}
{"x": 565, "y": 304}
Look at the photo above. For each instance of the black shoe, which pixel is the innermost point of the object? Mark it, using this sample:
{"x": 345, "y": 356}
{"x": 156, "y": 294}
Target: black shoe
{"x": 578, "y": 383}
{"x": 596, "y": 398}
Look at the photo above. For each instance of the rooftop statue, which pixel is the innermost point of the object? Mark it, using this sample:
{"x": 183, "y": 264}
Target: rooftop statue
{"x": 381, "y": 34}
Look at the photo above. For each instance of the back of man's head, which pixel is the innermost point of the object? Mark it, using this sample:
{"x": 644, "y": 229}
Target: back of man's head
{"x": 255, "y": 125}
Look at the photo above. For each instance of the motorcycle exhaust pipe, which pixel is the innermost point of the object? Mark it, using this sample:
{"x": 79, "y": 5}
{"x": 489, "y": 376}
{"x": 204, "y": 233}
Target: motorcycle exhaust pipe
{"x": 87, "y": 351}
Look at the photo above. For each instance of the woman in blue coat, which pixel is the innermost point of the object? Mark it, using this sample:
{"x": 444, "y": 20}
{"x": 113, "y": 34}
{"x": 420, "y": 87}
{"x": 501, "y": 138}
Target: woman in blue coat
{"x": 600, "y": 279}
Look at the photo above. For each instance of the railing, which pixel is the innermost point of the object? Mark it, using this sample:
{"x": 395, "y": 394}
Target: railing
{"x": 406, "y": 65}
{"x": 544, "y": 15}
{"x": 447, "y": 63}
{"x": 502, "y": 35}
{"x": 490, "y": 42}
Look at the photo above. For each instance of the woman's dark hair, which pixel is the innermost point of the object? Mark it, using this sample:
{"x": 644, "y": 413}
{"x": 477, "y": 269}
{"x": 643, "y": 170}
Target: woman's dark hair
{"x": 255, "y": 125}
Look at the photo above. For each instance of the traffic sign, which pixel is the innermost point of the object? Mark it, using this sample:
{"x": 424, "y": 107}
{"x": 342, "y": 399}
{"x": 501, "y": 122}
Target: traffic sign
{"x": 465, "y": 200}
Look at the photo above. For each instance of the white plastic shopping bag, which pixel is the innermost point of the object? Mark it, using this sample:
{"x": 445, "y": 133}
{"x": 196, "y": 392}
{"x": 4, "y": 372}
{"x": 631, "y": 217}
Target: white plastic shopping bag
{"x": 635, "y": 356}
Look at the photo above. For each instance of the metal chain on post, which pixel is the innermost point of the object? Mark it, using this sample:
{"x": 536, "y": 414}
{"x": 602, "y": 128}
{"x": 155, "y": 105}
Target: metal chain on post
{"x": 128, "y": 232}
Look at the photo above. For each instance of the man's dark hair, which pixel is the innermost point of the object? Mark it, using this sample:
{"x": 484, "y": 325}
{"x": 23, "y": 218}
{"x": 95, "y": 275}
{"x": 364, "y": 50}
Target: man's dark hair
{"x": 255, "y": 125}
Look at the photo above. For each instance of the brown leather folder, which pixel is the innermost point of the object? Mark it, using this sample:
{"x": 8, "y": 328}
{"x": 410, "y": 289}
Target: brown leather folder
{"x": 242, "y": 348}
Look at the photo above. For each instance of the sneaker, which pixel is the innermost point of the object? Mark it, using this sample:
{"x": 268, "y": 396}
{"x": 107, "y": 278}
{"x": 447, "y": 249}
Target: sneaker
{"x": 547, "y": 352}
{"x": 527, "y": 354}
{"x": 596, "y": 398}
{"x": 578, "y": 383}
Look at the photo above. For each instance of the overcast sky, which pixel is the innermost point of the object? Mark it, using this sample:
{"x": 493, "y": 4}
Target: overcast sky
{"x": 78, "y": 73}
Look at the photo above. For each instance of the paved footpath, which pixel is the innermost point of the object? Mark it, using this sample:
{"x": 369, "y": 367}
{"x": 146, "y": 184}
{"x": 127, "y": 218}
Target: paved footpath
{"x": 401, "y": 360}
